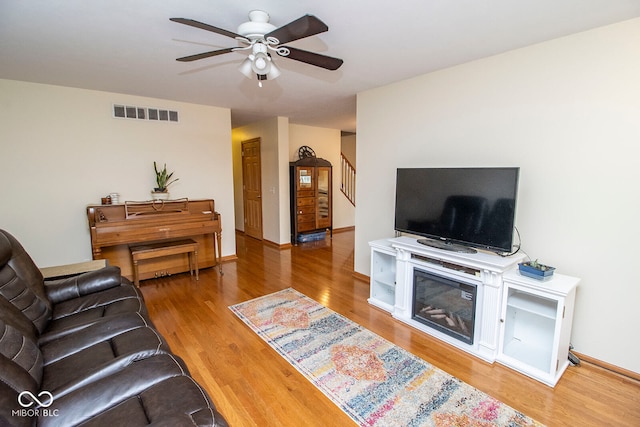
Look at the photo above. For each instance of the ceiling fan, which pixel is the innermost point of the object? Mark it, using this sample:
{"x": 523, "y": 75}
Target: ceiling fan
{"x": 260, "y": 38}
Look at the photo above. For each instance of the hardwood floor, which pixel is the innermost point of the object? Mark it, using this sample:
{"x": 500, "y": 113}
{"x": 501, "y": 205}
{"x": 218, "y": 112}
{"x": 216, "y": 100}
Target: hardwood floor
{"x": 253, "y": 386}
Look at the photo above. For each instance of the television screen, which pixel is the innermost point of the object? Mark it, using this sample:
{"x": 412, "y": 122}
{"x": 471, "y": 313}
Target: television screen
{"x": 471, "y": 207}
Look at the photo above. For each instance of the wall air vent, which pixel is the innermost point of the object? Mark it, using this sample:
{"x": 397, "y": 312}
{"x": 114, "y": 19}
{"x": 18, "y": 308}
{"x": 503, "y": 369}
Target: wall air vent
{"x": 143, "y": 113}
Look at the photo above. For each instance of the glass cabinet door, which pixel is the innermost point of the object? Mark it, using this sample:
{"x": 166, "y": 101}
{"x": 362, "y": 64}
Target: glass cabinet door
{"x": 324, "y": 197}
{"x": 305, "y": 178}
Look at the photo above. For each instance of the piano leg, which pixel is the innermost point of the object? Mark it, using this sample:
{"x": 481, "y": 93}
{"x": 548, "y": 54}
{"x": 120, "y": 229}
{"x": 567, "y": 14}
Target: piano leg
{"x": 218, "y": 254}
{"x": 136, "y": 275}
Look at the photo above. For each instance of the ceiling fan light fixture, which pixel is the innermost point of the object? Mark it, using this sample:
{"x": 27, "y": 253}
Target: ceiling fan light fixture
{"x": 246, "y": 67}
{"x": 274, "y": 72}
{"x": 261, "y": 63}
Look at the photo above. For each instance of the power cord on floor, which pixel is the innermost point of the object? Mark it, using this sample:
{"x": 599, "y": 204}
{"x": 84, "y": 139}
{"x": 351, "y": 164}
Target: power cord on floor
{"x": 573, "y": 359}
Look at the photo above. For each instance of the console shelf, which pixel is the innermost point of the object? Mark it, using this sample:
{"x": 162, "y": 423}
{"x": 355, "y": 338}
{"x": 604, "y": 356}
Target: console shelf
{"x": 383, "y": 275}
{"x": 521, "y": 322}
{"x": 536, "y": 325}
{"x": 535, "y": 305}
{"x": 527, "y": 353}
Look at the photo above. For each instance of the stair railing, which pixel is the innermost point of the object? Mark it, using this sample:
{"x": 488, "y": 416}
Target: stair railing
{"x": 348, "y": 183}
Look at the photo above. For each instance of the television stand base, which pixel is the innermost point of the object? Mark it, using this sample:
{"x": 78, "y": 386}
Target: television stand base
{"x": 447, "y": 246}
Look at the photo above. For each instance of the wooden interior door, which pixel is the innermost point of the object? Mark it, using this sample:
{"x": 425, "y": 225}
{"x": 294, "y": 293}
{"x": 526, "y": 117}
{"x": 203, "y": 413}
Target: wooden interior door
{"x": 252, "y": 188}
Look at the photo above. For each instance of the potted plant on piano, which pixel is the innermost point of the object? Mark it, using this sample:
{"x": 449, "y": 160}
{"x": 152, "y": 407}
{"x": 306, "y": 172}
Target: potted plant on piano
{"x": 163, "y": 180}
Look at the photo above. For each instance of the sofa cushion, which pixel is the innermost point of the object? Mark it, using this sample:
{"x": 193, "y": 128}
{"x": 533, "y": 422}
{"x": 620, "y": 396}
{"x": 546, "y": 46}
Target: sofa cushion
{"x": 5, "y": 250}
{"x": 175, "y": 402}
{"x": 16, "y": 291}
{"x": 140, "y": 394}
{"x": 79, "y": 359}
{"x": 122, "y": 299}
{"x": 104, "y": 306}
{"x": 89, "y": 336}
{"x": 19, "y": 340}
{"x": 21, "y": 282}
{"x": 17, "y": 378}
{"x": 21, "y": 350}
{"x": 82, "y": 284}
{"x": 8, "y": 402}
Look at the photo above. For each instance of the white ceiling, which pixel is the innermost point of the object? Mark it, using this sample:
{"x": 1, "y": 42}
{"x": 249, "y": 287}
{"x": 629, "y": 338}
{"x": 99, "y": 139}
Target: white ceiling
{"x": 130, "y": 46}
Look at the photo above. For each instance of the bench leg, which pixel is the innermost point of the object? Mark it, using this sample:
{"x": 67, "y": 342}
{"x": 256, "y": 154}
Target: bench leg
{"x": 136, "y": 277}
{"x": 190, "y": 260}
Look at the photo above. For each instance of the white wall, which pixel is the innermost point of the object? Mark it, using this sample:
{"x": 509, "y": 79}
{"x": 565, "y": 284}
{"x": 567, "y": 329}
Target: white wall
{"x": 348, "y": 148}
{"x": 61, "y": 150}
{"x": 568, "y": 113}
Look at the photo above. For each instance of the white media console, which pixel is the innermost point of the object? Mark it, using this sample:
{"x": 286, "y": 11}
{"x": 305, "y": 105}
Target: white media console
{"x": 520, "y": 322}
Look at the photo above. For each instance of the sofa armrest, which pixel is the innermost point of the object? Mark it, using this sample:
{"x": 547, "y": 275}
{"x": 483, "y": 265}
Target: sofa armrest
{"x": 86, "y": 283}
{"x": 67, "y": 270}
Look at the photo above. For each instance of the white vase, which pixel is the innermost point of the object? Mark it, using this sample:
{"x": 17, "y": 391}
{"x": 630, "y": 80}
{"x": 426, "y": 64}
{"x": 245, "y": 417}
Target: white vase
{"x": 159, "y": 195}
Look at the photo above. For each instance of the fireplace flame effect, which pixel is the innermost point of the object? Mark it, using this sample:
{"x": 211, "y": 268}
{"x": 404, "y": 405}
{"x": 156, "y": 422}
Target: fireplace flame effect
{"x": 452, "y": 320}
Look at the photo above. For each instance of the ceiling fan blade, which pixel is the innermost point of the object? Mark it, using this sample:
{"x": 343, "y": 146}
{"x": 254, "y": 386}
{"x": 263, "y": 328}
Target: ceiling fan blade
{"x": 305, "y": 26}
{"x": 312, "y": 58}
{"x": 205, "y": 55}
{"x": 206, "y": 27}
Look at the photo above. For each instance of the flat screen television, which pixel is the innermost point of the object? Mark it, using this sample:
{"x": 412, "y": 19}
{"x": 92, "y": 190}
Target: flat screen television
{"x": 458, "y": 208}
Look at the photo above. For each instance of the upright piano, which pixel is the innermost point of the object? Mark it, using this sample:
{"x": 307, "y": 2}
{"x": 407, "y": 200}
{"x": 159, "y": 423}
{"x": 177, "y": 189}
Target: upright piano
{"x": 115, "y": 227}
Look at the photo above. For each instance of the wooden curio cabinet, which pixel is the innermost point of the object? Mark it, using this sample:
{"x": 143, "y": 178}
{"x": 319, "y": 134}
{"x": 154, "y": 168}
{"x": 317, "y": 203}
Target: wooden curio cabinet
{"x": 311, "y": 199}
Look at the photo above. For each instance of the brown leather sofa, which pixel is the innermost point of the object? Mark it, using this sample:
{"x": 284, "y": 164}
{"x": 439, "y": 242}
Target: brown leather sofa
{"x": 82, "y": 350}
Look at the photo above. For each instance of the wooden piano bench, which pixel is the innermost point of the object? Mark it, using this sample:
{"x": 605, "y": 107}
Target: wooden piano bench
{"x": 160, "y": 249}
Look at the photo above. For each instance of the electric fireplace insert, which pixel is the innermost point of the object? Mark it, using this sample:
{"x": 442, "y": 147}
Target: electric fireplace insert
{"x": 444, "y": 304}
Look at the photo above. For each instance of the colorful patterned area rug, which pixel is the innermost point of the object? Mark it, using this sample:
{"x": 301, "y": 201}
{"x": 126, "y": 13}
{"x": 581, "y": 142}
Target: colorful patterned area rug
{"x": 374, "y": 381}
